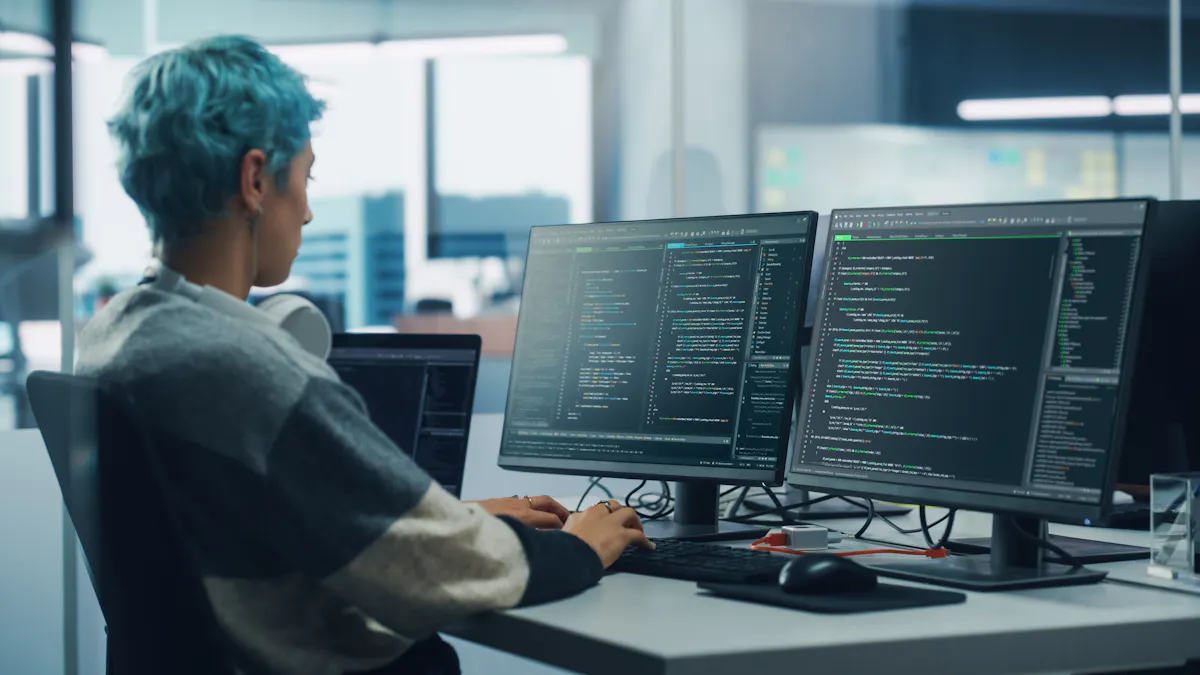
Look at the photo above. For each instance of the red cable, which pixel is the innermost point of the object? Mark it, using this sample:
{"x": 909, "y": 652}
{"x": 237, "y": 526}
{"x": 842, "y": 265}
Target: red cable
{"x": 771, "y": 541}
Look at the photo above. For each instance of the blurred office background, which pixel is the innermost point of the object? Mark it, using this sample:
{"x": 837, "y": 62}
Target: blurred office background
{"x": 455, "y": 125}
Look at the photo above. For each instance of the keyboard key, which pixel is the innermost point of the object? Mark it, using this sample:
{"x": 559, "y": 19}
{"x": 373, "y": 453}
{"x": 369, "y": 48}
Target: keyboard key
{"x": 694, "y": 561}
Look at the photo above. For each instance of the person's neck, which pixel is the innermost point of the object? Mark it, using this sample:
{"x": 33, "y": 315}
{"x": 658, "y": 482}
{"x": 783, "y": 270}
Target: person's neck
{"x": 212, "y": 262}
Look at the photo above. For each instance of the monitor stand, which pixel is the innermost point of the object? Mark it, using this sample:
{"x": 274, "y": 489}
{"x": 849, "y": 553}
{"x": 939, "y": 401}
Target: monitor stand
{"x": 1014, "y": 563}
{"x": 696, "y": 518}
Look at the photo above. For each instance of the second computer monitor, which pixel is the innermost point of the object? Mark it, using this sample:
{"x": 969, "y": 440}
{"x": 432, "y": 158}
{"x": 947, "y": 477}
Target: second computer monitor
{"x": 1163, "y": 433}
{"x": 659, "y": 349}
{"x": 974, "y": 356}
{"x": 977, "y": 357}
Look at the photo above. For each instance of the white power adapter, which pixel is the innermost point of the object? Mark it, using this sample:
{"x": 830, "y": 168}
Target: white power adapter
{"x": 809, "y": 537}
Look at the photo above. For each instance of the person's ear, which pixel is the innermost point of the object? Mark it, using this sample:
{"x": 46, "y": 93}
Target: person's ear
{"x": 253, "y": 178}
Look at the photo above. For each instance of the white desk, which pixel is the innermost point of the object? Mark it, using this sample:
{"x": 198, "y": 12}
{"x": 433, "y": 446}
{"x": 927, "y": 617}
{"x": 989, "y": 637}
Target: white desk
{"x": 632, "y": 624}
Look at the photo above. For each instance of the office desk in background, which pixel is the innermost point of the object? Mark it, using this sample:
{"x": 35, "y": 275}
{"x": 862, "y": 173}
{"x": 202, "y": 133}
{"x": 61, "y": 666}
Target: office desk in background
{"x": 498, "y": 332}
{"x": 635, "y": 625}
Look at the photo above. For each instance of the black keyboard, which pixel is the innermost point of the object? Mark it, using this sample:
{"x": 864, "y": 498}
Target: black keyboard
{"x": 692, "y": 561}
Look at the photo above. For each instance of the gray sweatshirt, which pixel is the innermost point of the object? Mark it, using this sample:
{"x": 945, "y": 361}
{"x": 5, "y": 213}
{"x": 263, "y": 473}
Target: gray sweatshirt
{"x": 324, "y": 548}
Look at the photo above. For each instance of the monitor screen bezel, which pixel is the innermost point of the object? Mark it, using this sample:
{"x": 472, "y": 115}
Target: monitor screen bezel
{"x": 956, "y": 498}
{"x": 673, "y": 472}
{"x": 401, "y": 341}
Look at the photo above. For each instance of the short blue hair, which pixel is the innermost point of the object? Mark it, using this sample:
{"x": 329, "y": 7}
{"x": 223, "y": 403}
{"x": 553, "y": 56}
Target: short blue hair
{"x": 190, "y": 117}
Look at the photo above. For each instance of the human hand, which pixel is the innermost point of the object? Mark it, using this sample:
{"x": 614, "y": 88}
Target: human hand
{"x": 609, "y": 530}
{"x": 541, "y": 512}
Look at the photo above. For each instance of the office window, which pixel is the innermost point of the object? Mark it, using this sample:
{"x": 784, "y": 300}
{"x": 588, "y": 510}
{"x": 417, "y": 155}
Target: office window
{"x": 370, "y": 140}
{"x": 113, "y": 229}
{"x": 370, "y": 152}
{"x": 368, "y": 192}
{"x": 28, "y": 269}
{"x": 513, "y": 149}
{"x": 14, "y": 144}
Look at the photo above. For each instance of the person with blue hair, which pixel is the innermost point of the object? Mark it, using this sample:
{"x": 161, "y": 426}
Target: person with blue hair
{"x": 323, "y": 548}
{"x": 210, "y": 139}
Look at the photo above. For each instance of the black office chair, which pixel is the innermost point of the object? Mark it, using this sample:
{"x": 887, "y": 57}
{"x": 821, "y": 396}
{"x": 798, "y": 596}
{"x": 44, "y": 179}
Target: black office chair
{"x": 159, "y": 618}
{"x": 158, "y": 615}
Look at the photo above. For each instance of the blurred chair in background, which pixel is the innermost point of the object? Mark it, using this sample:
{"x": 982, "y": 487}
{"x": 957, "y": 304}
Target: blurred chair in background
{"x": 427, "y": 306}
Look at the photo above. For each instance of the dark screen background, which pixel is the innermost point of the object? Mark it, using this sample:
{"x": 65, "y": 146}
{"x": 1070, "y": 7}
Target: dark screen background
{"x": 424, "y": 407}
{"x": 648, "y": 338}
{"x": 393, "y": 396}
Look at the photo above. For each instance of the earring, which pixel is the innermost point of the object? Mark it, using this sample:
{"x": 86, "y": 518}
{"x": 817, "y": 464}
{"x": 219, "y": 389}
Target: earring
{"x": 255, "y": 216}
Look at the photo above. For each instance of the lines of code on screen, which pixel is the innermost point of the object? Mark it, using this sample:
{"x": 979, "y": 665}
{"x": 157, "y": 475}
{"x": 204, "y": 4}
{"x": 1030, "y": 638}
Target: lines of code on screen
{"x": 929, "y": 349}
{"x": 421, "y": 400}
{"x": 973, "y": 347}
{"x": 663, "y": 347}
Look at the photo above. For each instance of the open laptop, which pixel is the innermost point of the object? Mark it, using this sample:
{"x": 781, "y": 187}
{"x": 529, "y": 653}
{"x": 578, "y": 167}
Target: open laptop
{"x": 419, "y": 389}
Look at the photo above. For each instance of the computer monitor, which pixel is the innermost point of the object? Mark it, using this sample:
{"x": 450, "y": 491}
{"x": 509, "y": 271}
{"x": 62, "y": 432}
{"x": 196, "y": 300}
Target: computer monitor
{"x": 976, "y": 357}
{"x": 419, "y": 390}
{"x": 1163, "y": 434}
{"x": 661, "y": 350}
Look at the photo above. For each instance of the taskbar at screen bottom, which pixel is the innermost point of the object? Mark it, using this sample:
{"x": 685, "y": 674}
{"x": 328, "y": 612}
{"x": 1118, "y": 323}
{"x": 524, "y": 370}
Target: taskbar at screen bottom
{"x": 639, "y": 470}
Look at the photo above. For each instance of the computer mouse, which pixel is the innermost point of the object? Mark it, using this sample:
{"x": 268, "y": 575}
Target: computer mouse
{"x": 825, "y": 573}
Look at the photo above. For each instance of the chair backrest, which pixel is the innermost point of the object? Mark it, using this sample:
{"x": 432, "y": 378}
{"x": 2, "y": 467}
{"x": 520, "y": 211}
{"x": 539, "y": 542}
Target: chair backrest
{"x": 159, "y": 617}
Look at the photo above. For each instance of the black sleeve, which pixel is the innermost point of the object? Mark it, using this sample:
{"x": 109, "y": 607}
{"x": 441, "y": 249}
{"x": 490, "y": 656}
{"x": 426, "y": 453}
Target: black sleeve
{"x": 560, "y": 564}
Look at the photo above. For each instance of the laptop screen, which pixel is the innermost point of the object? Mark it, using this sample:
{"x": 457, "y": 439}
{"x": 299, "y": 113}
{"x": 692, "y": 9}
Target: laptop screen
{"x": 418, "y": 392}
